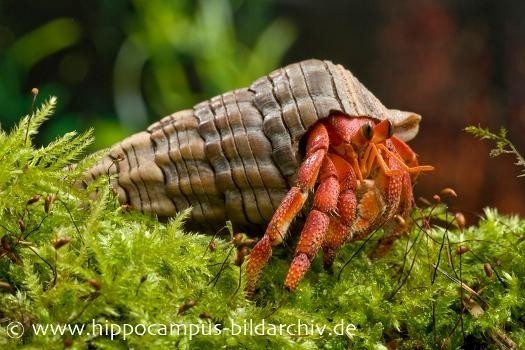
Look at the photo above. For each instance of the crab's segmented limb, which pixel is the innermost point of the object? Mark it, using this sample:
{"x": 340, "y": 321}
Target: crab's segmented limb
{"x": 316, "y": 148}
{"x": 409, "y": 169}
{"x": 339, "y": 228}
{"x": 316, "y": 225}
{"x": 396, "y": 226}
{"x": 373, "y": 154}
{"x": 311, "y": 239}
{"x": 336, "y": 236}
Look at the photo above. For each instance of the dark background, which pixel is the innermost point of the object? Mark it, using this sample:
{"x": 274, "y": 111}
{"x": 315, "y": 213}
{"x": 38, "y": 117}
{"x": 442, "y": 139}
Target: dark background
{"x": 119, "y": 65}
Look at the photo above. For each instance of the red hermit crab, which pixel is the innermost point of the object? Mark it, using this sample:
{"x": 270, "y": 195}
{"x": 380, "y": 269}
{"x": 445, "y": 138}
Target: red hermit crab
{"x": 253, "y": 155}
{"x": 362, "y": 172}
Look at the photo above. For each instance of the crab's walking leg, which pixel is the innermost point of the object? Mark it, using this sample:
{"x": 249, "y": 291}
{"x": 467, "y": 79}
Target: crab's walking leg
{"x": 335, "y": 238}
{"x": 316, "y": 149}
{"x": 316, "y": 225}
{"x": 396, "y": 226}
{"x": 339, "y": 228}
{"x": 407, "y": 157}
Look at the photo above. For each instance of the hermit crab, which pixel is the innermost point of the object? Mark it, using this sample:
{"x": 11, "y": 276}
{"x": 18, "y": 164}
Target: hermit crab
{"x": 254, "y": 155}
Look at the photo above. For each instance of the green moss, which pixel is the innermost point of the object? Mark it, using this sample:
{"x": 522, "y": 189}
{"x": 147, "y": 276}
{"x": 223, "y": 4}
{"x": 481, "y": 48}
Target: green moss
{"x": 126, "y": 268}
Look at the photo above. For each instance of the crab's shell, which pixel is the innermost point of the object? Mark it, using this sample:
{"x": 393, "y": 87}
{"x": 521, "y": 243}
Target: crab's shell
{"x": 234, "y": 156}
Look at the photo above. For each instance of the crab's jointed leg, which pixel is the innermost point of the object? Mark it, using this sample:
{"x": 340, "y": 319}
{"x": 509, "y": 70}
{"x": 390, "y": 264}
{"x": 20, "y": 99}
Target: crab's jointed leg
{"x": 396, "y": 226}
{"x": 339, "y": 228}
{"x": 409, "y": 158}
{"x": 403, "y": 154}
{"x": 316, "y": 225}
{"x": 316, "y": 149}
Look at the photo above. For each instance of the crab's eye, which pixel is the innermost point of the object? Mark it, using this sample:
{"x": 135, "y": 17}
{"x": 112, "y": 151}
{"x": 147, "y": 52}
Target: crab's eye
{"x": 367, "y": 131}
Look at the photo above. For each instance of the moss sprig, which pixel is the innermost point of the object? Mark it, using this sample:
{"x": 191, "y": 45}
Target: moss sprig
{"x": 503, "y": 144}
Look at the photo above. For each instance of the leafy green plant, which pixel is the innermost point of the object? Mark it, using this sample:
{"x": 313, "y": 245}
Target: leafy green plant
{"x": 503, "y": 144}
{"x": 69, "y": 257}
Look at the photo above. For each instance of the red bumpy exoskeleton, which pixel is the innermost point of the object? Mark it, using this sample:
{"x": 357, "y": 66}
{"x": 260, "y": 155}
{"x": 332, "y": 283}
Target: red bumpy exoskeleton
{"x": 363, "y": 174}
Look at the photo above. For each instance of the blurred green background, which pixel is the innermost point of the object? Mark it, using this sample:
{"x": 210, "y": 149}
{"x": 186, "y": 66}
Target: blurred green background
{"x": 118, "y": 65}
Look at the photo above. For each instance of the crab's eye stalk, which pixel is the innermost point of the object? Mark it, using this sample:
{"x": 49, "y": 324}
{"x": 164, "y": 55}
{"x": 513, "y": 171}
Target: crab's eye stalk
{"x": 367, "y": 131}
{"x": 390, "y": 129}
{"x": 382, "y": 131}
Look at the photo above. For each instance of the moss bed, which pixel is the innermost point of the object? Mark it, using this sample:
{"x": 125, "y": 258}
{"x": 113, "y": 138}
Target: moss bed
{"x": 70, "y": 260}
